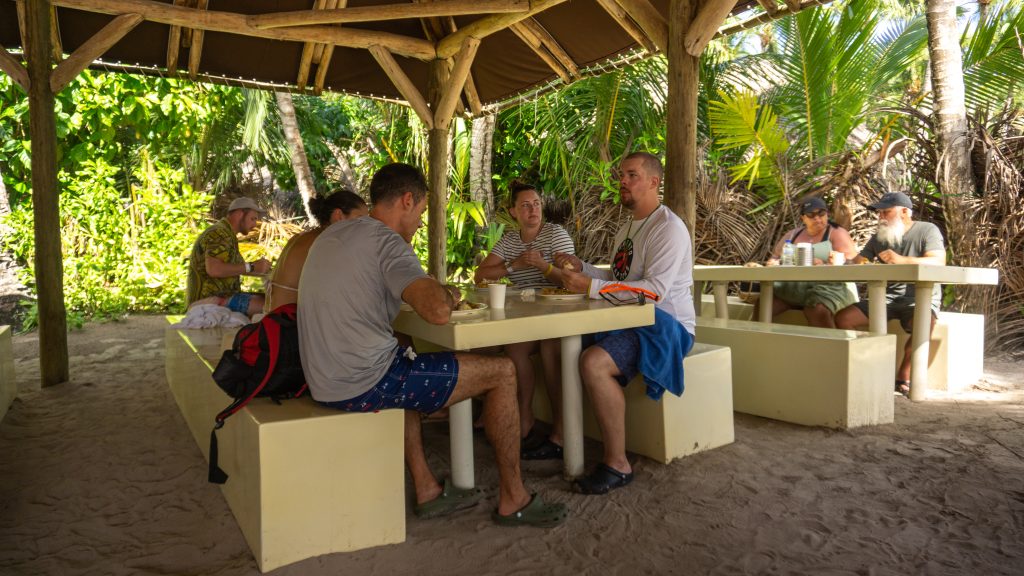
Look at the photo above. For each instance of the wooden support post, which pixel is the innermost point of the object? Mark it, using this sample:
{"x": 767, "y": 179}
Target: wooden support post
{"x": 704, "y": 27}
{"x": 437, "y": 207}
{"x": 404, "y": 85}
{"x": 650, "y": 21}
{"x": 49, "y": 264}
{"x": 681, "y": 131}
{"x": 451, "y": 89}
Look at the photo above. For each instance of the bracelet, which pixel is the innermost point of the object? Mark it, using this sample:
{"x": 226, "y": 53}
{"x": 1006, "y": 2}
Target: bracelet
{"x": 550, "y": 268}
{"x": 248, "y": 267}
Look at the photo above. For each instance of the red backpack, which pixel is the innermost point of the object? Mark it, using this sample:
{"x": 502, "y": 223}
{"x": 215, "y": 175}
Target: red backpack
{"x": 263, "y": 362}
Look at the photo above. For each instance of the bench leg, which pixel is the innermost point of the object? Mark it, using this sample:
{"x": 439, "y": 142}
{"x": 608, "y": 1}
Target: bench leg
{"x": 921, "y": 336}
{"x": 877, "y": 320}
{"x": 572, "y": 407}
{"x": 721, "y": 299}
{"x": 460, "y": 428}
{"x": 766, "y": 298}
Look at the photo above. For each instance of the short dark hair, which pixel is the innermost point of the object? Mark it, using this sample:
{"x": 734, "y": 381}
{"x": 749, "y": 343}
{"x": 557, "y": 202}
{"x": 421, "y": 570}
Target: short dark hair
{"x": 651, "y": 163}
{"x": 516, "y": 188}
{"x": 341, "y": 199}
{"x": 394, "y": 180}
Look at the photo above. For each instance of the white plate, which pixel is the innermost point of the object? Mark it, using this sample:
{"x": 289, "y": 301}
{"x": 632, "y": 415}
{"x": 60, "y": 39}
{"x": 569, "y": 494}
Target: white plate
{"x": 560, "y": 297}
{"x": 480, "y": 309}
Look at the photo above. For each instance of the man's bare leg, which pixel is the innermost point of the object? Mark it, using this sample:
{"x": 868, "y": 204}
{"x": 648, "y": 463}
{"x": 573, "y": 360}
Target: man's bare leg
{"x": 599, "y": 371}
{"x": 820, "y": 316}
{"x": 551, "y": 357}
{"x": 494, "y": 378}
{"x": 904, "y": 372}
{"x": 423, "y": 479}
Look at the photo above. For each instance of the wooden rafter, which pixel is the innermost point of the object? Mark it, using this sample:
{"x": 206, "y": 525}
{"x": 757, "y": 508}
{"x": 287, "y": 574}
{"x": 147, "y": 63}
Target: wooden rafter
{"x": 55, "y": 45}
{"x": 456, "y": 81}
{"x": 769, "y": 6}
{"x": 404, "y": 85}
{"x": 195, "y": 51}
{"x": 626, "y": 23}
{"x": 92, "y": 49}
{"x": 538, "y": 48}
{"x": 12, "y": 67}
{"x": 321, "y": 68}
{"x": 547, "y": 42}
{"x": 793, "y": 5}
{"x": 314, "y": 52}
{"x": 22, "y": 24}
{"x": 387, "y": 12}
{"x": 475, "y": 106}
{"x": 488, "y": 25}
{"x": 231, "y": 23}
{"x": 704, "y": 27}
{"x": 650, "y": 21}
{"x": 765, "y": 18}
{"x": 174, "y": 43}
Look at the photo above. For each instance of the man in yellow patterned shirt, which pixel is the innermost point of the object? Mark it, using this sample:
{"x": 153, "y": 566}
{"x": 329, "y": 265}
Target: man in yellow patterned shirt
{"x": 216, "y": 265}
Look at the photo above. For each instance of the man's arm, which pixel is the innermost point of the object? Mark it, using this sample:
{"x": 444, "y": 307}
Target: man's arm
{"x": 432, "y": 301}
{"x": 218, "y": 268}
{"x": 933, "y": 257}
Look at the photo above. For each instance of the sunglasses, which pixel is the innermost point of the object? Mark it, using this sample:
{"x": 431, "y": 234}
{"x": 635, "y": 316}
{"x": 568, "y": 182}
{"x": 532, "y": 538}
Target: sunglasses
{"x": 620, "y": 294}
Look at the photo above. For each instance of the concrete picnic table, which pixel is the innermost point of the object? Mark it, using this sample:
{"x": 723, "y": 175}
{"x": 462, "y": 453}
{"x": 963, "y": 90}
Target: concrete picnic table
{"x": 523, "y": 321}
{"x": 923, "y": 276}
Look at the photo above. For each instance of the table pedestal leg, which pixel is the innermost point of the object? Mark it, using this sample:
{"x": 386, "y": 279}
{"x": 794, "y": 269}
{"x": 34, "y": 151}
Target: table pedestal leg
{"x": 460, "y": 428}
{"x": 572, "y": 407}
{"x": 766, "y": 298}
{"x": 877, "y": 321}
{"x": 721, "y": 299}
{"x": 920, "y": 340}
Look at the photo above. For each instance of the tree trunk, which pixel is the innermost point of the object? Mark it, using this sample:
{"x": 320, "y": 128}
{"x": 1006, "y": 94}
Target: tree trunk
{"x": 348, "y": 176}
{"x": 303, "y": 175}
{"x": 49, "y": 263}
{"x": 953, "y": 161}
{"x": 481, "y": 155}
{"x": 5, "y": 203}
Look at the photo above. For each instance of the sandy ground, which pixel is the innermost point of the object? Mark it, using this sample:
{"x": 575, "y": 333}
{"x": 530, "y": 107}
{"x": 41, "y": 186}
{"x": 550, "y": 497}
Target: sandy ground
{"x": 101, "y": 476}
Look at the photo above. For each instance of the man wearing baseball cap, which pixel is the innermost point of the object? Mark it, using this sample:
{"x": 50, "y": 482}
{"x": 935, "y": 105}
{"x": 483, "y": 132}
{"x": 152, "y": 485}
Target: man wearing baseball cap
{"x": 899, "y": 240}
{"x": 216, "y": 265}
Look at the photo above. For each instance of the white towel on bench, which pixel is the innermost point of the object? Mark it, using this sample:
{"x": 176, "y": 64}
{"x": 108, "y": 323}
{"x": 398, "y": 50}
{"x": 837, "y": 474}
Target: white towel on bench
{"x": 211, "y": 316}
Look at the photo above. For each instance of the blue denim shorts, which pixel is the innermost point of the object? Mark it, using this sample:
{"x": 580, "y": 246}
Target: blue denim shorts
{"x": 420, "y": 382}
{"x": 624, "y": 348}
{"x": 239, "y": 302}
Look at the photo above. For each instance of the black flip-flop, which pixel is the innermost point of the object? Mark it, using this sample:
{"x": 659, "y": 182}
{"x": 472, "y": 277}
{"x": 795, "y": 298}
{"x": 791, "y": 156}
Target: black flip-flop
{"x": 547, "y": 450}
{"x": 602, "y": 480}
{"x": 533, "y": 439}
{"x": 903, "y": 387}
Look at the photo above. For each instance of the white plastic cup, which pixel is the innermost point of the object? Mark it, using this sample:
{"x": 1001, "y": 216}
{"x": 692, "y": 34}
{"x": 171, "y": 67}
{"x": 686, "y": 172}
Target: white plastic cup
{"x": 496, "y": 294}
{"x": 838, "y": 258}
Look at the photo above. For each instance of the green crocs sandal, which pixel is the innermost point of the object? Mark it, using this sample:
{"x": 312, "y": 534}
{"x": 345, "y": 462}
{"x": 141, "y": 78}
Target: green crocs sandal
{"x": 451, "y": 500}
{"x": 535, "y": 513}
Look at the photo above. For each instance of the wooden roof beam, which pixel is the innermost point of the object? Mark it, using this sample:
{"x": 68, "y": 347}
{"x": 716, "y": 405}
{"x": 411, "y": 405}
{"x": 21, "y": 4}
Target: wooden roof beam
{"x": 765, "y": 18}
{"x": 22, "y": 25}
{"x": 650, "y": 21}
{"x": 174, "y": 43}
{"x": 387, "y": 12}
{"x": 404, "y": 85}
{"x": 531, "y": 40}
{"x": 231, "y": 23}
{"x": 455, "y": 84}
{"x": 195, "y": 51}
{"x": 55, "y": 45}
{"x": 793, "y": 5}
{"x": 488, "y": 25}
{"x": 92, "y": 49}
{"x": 472, "y": 96}
{"x": 709, "y": 18}
{"x": 313, "y": 52}
{"x": 552, "y": 45}
{"x": 321, "y": 69}
{"x": 770, "y": 6}
{"x": 12, "y": 67}
{"x": 626, "y": 23}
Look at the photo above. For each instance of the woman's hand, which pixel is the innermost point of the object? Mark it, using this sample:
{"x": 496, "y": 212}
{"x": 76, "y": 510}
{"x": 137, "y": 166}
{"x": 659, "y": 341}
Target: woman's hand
{"x": 530, "y": 259}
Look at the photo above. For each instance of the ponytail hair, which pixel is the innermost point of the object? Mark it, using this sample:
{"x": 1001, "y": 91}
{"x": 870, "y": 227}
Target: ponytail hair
{"x": 341, "y": 199}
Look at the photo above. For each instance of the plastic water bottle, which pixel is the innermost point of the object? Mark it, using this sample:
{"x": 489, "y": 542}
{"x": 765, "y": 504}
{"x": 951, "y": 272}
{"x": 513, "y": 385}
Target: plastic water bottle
{"x": 788, "y": 259}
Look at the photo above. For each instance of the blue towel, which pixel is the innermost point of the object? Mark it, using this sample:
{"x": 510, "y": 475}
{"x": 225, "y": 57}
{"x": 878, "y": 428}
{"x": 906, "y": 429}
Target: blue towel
{"x": 663, "y": 345}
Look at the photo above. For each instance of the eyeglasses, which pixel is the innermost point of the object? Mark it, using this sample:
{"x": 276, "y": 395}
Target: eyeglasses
{"x": 620, "y": 294}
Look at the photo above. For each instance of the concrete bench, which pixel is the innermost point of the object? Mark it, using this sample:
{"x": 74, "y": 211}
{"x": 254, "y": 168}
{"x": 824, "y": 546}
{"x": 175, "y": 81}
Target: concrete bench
{"x": 304, "y": 480}
{"x": 804, "y": 375}
{"x": 8, "y": 386}
{"x": 947, "y": 371}
{"x": 675, "y": 426}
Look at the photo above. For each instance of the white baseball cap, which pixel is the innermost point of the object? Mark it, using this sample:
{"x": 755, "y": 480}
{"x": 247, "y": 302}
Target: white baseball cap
{"x": 245, "y": 203}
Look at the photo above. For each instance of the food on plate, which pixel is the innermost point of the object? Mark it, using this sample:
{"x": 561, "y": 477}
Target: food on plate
{"x": 465, "y": 305}
{"x": 555, "y": 292}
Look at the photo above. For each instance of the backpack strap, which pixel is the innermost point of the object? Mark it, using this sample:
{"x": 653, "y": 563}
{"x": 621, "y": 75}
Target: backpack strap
{"x": 272, "y": 333}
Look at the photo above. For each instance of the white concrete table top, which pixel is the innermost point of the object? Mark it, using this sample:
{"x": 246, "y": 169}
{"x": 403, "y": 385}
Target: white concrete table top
{"x": 924, "y": 277}
{"x": 525, "y": 322}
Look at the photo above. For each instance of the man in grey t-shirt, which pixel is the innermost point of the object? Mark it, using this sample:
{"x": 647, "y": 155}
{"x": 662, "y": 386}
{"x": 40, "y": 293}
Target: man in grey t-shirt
{"x": 899, "y": 240}
{"x": 354, "y": 280}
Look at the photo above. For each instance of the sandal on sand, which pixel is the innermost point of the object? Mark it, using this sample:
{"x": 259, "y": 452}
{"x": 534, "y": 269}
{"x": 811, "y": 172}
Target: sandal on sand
{"x": 533, "y": 440}
{"x": 535, "y": 513}
{"x": 547, "y": 450}
{"x": 452, "y": 499}
{"x": 602, "y": 480}
{"x": 903, "y": 387}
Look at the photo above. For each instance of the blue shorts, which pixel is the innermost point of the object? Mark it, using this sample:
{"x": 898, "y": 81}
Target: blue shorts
{"x": 239, "y": 302}
{"x": 424, "y": 385}
{"x": 624, "y": 348}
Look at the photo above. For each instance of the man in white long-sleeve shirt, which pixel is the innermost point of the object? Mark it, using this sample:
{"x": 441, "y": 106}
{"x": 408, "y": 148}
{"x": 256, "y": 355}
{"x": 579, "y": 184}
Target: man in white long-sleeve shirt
{"x": 652, "y": 252}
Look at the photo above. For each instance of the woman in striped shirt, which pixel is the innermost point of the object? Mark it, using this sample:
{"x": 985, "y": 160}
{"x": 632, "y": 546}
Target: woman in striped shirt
{"x": 524, "y": 256}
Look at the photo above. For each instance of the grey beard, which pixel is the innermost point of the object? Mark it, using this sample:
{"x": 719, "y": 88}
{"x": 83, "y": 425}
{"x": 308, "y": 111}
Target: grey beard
{"x": 891, "y": 234}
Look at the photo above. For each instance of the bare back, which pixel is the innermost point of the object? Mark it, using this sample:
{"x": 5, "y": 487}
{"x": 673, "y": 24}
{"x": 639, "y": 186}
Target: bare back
{"x": 284, "y": 281}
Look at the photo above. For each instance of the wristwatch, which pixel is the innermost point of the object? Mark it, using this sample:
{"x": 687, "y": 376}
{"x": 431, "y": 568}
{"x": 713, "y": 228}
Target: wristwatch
{"x": 508, "y": 267}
